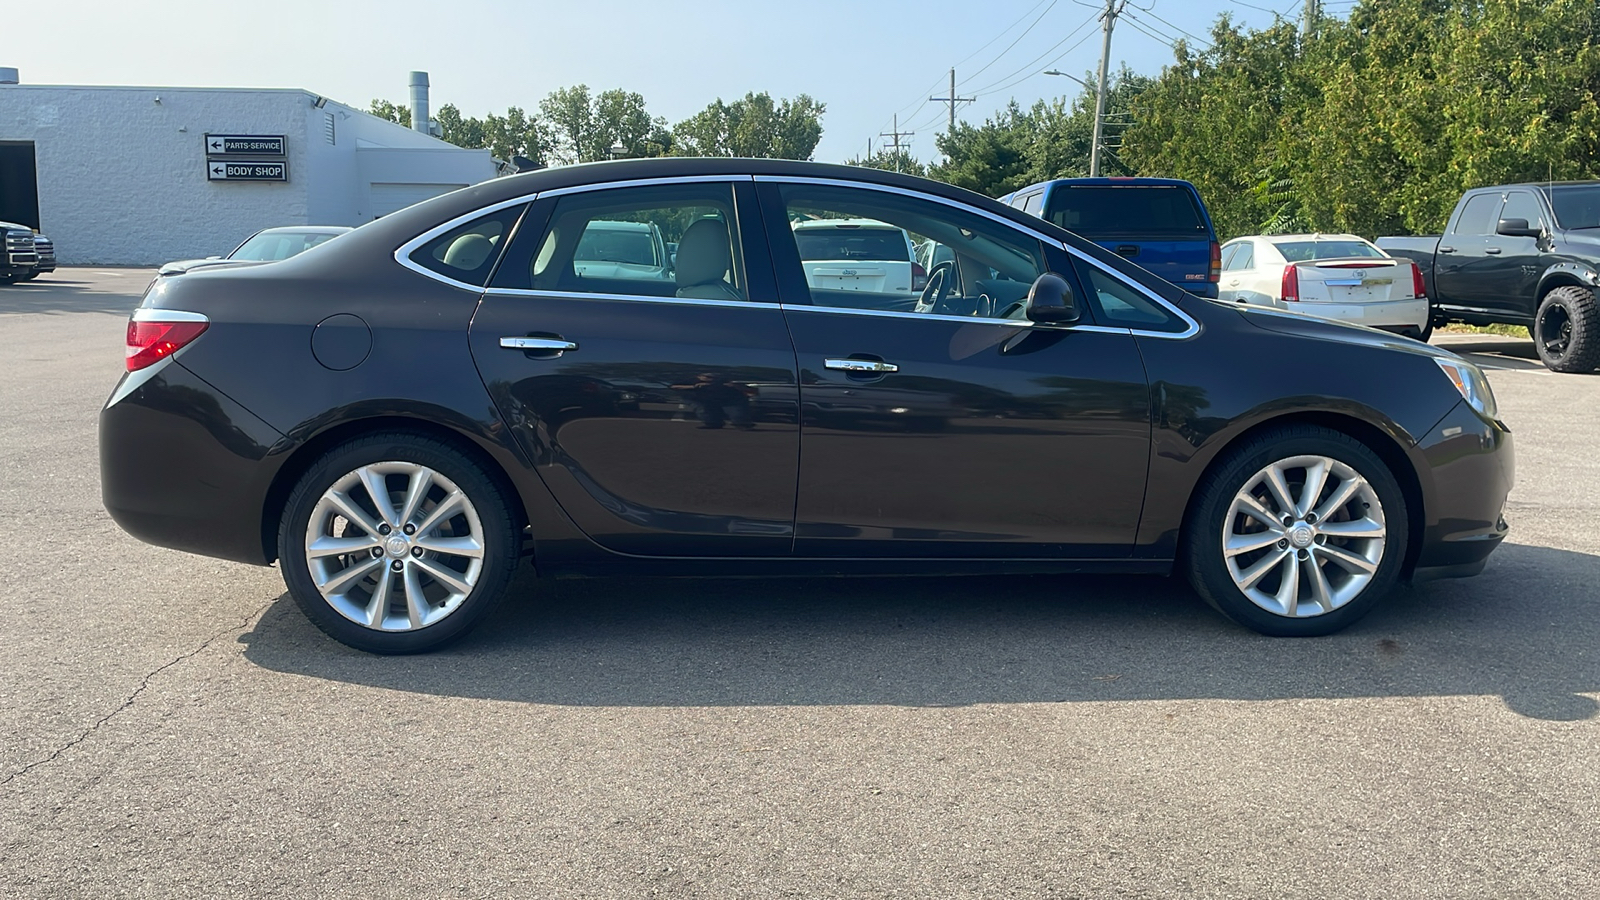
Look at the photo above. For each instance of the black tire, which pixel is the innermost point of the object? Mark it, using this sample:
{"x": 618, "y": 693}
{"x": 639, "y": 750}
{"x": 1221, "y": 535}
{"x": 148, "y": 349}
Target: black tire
{"x": 1205, "y": 564}
{"x": 1425, "y": 333}
{"x": 1566, "y": 330}
{"x": 28, "y": 277}
{"x": 500, "y": 541}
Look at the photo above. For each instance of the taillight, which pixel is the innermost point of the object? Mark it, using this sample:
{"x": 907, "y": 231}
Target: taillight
{"x": 1418, "y": 286}
{"x": 155, "y": 334}
{"x": 1216, "y": 263}
{"x": 1291, "y": 283}
{"x": 919, "y": 276}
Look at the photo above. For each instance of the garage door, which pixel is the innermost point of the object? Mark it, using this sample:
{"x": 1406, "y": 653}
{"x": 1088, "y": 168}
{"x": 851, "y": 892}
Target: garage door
{"x": 387, "y": 198}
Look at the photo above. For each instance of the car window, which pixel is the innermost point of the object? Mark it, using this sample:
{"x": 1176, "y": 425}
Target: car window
{"x": 468, "y": 253}
{"x": 1245, "y": 258}
{"x": 1305, "y": 251}
{"x": 618, "y": 241}
{"x": 1523, "y": 205}
{"x": 272, "y": 246}
{"x": 1576, "y": 206}
{"x": 1479, "y": 215}
{"x": 1148, "y": 211}
{"x": 966, "y": 265}
{"x": 1116, "y": 302}
{"x": 1033, "y": 203}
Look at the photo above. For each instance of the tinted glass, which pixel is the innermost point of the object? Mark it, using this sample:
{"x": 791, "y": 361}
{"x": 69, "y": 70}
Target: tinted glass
{"x": 468, "y": 253}
{"x": 1479, "y": 215}
{"x": 1130, "y": 211}
{"x": 279, "y": 245}
{"x": 1033, "y": 204}
{"x": 1228, "y": 253}
{"x": 975, "y": 265}
{"x": 1246, "y": 258}
{"x": 1578, "y": 206}
{"x": 1121, "y": 304}
{"x": 1305, "y": 251}
{"x": 614, "y": 241}
{"x": 1523, "y": 205}
{"x": 850, "y": 241}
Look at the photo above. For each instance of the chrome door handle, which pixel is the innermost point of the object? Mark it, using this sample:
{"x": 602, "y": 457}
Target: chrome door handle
{"x": 1492, "y": 250}
{"x": 859, "y": 365}
{"x": 1447, "y": 249}
{"x": 538, "y": 343}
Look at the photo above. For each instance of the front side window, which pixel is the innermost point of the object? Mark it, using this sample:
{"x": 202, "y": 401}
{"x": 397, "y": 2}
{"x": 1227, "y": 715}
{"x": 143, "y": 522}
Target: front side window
{"x": 1117, "y": 303}
{"x": 876, "y": 250}
{"x": 468, "y": 253}
{"x": 1523, "y": 205}
{"x": 668, "y": 241}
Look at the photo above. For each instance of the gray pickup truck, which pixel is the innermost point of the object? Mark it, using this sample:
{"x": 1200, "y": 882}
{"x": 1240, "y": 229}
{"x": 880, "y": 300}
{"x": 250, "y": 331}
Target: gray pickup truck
{"x": 1519, "y": 254}
{"x": 23, "y": 254}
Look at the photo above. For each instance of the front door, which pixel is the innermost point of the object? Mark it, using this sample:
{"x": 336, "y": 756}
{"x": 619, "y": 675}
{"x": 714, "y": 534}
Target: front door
{"x": 655, "y": 392}
{"x": 958, "y": 429}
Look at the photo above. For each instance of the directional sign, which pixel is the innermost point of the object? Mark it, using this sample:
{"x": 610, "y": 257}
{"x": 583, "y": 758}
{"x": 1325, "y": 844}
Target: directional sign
{"x": 252, "y": 144}
{"x": 246, "y": 170}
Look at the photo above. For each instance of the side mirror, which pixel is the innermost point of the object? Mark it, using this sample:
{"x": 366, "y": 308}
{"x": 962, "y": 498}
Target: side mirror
{"x": 1050, "y": 301}
{"x": 1517, "y": 228}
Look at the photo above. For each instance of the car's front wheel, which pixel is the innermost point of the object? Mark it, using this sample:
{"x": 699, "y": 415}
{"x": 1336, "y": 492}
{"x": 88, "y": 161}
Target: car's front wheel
{"x": 1299, "y": 532}
{"x": 1566, "y": 330}
{"x": 397, "y": 543}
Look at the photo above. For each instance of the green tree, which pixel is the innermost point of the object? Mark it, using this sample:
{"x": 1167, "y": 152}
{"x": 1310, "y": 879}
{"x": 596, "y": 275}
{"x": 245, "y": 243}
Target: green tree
{"x": 753, "y": 127}
{"x": 584, "y": 127}
{"x": 396, "y": 113}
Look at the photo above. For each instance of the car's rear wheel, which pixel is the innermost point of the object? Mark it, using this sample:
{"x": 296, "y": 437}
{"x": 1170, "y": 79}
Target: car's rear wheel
{"x": 397, "y": 543}
{"x": 1300, "y": 532}
{"x": 1566, "y": 330}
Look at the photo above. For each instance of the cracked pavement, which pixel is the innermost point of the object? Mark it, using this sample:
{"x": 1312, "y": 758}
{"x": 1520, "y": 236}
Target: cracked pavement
{"x": 172, "y": 726}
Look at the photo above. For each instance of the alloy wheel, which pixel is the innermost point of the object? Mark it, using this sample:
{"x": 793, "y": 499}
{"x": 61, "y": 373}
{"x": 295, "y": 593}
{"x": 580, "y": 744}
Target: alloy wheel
{"x": 394, "y": 546}
{"x": 1304, "y": 536}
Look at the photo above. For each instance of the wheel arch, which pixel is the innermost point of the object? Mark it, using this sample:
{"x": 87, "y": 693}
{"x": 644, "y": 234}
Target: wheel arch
{"x": 303, "y": 456}
{"x": 1388, "y": 449}
{"x": 1564, "y": 274}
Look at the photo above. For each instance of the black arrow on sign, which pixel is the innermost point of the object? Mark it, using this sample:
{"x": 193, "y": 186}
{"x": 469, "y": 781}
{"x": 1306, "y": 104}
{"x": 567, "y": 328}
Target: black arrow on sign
{"x": 219, "y": 169}
{"x": 216, "y": 145}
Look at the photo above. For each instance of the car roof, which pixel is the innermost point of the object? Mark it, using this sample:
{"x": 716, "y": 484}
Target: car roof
{"x": 845, "y": 223}
{"x": 1275, "y": 238}
{"x": 306, "y": 229}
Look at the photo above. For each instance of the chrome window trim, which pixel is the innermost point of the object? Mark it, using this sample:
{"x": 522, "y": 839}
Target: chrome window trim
{"x": 645, "y": 182}
{"x": 965, "y": 320}
{"x": 1192, "y": 327}
{"x": 402, "y": 255}
{"x": 631, "y": 298}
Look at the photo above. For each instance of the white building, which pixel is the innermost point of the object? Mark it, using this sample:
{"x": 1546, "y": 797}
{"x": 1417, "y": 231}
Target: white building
{"x": 123, "y": 175}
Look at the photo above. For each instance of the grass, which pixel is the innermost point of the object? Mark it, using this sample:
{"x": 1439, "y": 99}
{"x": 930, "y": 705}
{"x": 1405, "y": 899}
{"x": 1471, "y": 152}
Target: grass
{"x": 1516, "y": 331}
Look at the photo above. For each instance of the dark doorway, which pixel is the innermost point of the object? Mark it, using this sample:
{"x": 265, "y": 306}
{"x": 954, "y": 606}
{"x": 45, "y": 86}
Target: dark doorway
{"x": 19, "y": 184}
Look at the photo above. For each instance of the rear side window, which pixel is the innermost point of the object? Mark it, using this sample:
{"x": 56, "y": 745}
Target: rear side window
{"x": 468, "y": 253}
{"x": 1149, "y": 211}
{"x": 1479, "y": 215}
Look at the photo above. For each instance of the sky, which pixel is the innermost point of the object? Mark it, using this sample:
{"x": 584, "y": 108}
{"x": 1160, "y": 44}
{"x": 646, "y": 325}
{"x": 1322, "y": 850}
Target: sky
{"x": 866, "y": 59}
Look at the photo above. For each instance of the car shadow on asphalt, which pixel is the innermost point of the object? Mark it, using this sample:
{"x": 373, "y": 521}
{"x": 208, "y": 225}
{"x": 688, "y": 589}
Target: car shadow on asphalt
{"x": 1525, "y": 630}
{"x": 1497, "y": 353}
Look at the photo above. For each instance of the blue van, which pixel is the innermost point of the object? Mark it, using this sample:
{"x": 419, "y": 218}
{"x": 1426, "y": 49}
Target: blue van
{"x": 1158, "y": 223}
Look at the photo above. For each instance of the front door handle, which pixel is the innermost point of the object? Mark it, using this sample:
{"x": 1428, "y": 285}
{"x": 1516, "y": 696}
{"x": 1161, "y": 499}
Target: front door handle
{"x": 1494, "y": 251}
{"x": 1447, "y": 249}
{"x": 860, "y": 365}
{"x": 557, "y": 345}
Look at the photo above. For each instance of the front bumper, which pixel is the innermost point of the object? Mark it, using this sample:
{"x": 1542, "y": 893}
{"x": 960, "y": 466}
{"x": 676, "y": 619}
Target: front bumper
{"x": 1469, "y": 469}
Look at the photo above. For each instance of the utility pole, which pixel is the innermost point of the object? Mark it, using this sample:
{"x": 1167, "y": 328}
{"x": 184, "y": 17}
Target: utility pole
{"x": 952, "y": 100}
{"x": 896, "y": 134}
{"x": 1308, "y": 21}
{"x": 1113, "y": 8}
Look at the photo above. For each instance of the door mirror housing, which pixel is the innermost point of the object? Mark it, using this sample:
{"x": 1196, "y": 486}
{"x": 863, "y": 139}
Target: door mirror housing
{"x": 1050, "y": 301}
{"x": 1517, "y": 228}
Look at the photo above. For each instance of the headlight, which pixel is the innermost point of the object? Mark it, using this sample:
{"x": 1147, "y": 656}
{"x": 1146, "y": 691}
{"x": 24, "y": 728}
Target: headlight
{"x": 1474, "y": 387}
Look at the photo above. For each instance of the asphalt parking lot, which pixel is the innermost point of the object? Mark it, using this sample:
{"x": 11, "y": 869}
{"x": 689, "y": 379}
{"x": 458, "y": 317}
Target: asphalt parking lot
{"x": 172, "y": 726}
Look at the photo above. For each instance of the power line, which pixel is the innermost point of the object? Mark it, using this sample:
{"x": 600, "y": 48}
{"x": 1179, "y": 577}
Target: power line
{"x": 1036, "y": 61}
{"x": 954, "y": 100}
{"x": 1019, "y": 37}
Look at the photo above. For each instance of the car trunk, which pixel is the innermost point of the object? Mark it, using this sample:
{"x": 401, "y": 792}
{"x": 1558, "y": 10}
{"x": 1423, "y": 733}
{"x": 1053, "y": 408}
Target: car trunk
{"x": 1355, "y": 280}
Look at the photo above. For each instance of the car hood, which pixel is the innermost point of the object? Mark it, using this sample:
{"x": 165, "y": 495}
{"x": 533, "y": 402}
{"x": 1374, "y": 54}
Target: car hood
{"x": 1318, "y": 328}
{"x": 185, "y": 265}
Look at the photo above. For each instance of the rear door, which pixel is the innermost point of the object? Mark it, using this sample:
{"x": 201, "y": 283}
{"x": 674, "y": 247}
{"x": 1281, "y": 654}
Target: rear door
{"x": 662, "y": 414}
{"x": 1158, "y": 227}
{"x": 959, "y": 429}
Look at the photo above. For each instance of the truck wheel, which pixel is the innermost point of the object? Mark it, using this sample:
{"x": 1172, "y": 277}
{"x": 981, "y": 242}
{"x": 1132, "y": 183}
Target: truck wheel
{"x": 1566, "y": 330}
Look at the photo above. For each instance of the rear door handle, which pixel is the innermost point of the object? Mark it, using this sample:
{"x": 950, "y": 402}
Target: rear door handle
{"x": 1447, "y": 249}
{"x": 859, "y": 365}
{"x": 1493, "y": 251}
{"x": 520, "y": 342}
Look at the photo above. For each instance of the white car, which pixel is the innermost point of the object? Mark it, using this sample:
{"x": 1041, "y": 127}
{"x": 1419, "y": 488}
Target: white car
{"x": 632, "y": 251}
{"x": 860, "y": 256}
{"x": 1334, "y": 276}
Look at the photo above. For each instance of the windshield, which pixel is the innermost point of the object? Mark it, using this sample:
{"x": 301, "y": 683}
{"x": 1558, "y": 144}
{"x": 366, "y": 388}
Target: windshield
{"x": 1133, "y": 211}
{"x": 852, "y": 242}
{"x": 276, "y": 245}
{"x": 619, "y": 245}
{"x": 1577, "y": 206}
{"x": 1304, "y": 251}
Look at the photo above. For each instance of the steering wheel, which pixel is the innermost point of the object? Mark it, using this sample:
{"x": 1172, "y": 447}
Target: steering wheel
{"x": 940, "y": 281}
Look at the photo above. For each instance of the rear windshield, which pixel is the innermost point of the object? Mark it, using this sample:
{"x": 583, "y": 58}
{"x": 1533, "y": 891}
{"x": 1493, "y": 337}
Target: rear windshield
{"x": 1132, "y": 211}
{"x": 601, "y": 244}
{"x": 852, "y": 242}
{"x": 1304, "y": 251}
{"x": 1577, "y": 207}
